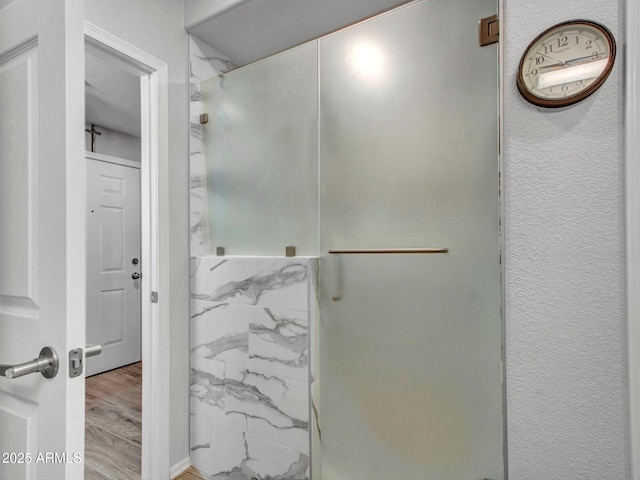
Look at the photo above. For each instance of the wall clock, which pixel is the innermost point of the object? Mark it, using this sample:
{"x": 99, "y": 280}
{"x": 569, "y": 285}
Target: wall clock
{"x": 566, "y": 63}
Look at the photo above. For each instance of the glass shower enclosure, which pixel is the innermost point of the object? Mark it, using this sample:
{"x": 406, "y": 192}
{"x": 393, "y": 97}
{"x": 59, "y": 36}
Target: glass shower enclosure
{"x": 375, "y": 150}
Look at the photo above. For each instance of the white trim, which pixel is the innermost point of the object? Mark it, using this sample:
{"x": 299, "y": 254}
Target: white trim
{"x": 155, "y": 248}
{"x": 632, "y": 203}
{"x": 101, "y": 157}
{"x": 180, "y": 467}
{"x": 121, "y": 49}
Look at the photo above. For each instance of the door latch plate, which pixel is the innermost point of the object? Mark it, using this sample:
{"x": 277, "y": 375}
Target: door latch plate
{"x": 75, "y": 363}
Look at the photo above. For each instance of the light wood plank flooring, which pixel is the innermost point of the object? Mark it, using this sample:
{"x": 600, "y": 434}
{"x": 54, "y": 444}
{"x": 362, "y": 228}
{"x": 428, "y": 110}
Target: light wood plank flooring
{"x": 191, "y": 474}
{"x": 113, "y": 427}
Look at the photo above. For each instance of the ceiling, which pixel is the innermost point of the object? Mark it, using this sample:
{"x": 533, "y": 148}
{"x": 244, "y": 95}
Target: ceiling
{"x": 256, "y": 29}
{"x": 251, "y": 30}
{"x": 112, "y": 91}
{"x": 112, "y": 94}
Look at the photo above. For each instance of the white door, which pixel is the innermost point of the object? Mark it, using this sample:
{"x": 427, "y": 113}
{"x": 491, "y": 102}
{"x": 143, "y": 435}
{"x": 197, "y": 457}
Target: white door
{"x": 113, "y": 263}
{"x": 42, "y": 235}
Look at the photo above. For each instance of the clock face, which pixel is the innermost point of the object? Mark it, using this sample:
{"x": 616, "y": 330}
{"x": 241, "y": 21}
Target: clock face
{"x": 566, "y": 63}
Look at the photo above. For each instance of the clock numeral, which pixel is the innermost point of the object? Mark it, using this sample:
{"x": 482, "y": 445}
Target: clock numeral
{"x": 539, "y": 60}
{"x": 534, "y": 72}
{"x": 562, "y": 42}
{"x": 577, "y": 40}
{"x": 589, "y": 44}
{"x": 548, "y": 49}
{"x": 565, "y": 88}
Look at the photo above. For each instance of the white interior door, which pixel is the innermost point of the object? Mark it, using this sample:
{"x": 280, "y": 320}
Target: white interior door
{"x": 113, "y": 263}
{"x": 42, "y": 235}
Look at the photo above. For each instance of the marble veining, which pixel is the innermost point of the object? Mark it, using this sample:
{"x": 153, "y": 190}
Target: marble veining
{"x": 272, "y": 408}
{"x": 285, "y": 334}
{"x": 220, "y": 64}
{"x": 207, "y": 309}
{"x": 251, "y": 402}
{"x": 196, "y": 182}
{"x": 197, "y": 447}
{"x": 250, "y": 367}
{"x": 196, "y": 134}
{"x": 234, "y": 341}
{"x": 243, "y": 456}
{"x": 279, "y": 343}
{"x": 217, "y": 265}
{"x": 214, "y": 387}
{"x": 297, "y": 471}
{"x": 194, "y": 264}
{"x": 220, "y": 332}
{"x": 251, "y": 288}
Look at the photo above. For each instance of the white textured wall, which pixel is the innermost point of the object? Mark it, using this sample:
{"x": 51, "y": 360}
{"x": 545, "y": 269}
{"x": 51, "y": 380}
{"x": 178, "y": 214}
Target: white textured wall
{"x": 114, "y": 143}
{"x": 564, "y": 263}
{"x": 157, "y": 27}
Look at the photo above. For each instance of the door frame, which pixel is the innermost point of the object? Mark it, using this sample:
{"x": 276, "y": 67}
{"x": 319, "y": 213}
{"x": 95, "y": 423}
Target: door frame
{"x": 632, "y": 213}
{"x": 154, "y": 225}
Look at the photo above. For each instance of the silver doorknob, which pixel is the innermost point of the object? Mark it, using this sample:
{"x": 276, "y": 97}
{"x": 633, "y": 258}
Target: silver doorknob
{"x": 92, "y": 350}
{"x": 136, "y": 275}
{"x": 47, "y": 364}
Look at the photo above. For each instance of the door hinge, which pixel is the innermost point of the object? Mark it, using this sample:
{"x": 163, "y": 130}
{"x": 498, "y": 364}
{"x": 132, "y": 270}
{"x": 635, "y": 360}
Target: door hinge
{"x": 489, "y": 30}
{"x": 154, "y": 297}
{"x": 204, "y": 118}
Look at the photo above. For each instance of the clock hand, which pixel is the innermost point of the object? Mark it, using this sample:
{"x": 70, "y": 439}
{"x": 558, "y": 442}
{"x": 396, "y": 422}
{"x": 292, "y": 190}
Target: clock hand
{"x": 573, "y": 60}
{"x": 554, "y": 59}
{"x": 565, "y": 62}
{"x": 551, "y": 66}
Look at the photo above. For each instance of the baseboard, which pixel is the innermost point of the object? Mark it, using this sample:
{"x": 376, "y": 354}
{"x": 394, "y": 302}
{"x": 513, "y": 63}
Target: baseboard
{"x": 180, "y": 467}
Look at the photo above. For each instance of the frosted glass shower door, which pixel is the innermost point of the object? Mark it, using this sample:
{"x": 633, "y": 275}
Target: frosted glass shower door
{"x": 410, "y": 344}
{"x": 261, "y": 149}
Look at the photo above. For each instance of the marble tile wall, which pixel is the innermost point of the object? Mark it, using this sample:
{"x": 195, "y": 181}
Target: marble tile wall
{"x": 205, "y": 62}
{"x": 250, "y": 370}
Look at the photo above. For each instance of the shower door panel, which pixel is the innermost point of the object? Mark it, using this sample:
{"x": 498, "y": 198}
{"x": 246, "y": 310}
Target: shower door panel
{"x": 410, "y": 344}
{"x": 261, "y": 149}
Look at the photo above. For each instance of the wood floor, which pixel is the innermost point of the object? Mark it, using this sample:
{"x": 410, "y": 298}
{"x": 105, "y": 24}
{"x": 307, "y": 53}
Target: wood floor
{"x": 113, "y": 427}
{"x": 191, "y": 474}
